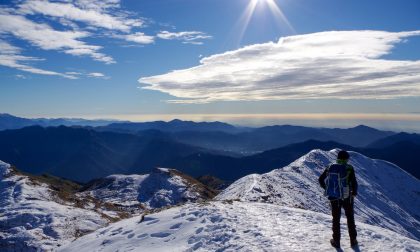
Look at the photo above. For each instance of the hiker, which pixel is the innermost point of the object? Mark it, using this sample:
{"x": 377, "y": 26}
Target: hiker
{"x": 340, "y": 185}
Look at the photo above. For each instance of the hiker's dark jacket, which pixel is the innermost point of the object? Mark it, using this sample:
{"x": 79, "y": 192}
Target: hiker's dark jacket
{"x": 351, "y": 179}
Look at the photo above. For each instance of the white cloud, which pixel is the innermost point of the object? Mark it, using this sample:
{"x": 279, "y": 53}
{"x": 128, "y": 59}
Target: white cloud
{"x": 92, "y": 16}
{"x": 138, "y": 37}
{"x": 193, "y": 42}
{"x": 336, "y": 64}
{"x": 188, "y": 37}
{"x": 6, "y": 48}
{"x": 20, "y": 76}
{"x": 97, "y": 75}
{"x": 45, "y": 37}
{"x": 63, "y": 25}
{"x": 73, "y": 73}
{"x": 99, "y": 5}
{"x": 10, "y": 56}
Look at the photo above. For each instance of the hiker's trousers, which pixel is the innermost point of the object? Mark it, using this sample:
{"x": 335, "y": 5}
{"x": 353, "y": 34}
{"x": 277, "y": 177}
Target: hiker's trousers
{"x": 336, "y": 206}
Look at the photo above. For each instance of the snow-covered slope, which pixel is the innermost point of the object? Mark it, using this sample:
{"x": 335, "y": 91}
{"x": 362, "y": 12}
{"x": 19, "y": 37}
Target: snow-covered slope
{"x": 31, "y": 219}
{"x": 388, "y": 196}
{"x": 162, "y": 187}
{"x": 238, "y": 226}
{"x": 36, "y": 216}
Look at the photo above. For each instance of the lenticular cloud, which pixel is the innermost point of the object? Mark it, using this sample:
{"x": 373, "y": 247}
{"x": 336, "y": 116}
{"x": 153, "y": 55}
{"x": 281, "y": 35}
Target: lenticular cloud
{"x": 334, "y": 64}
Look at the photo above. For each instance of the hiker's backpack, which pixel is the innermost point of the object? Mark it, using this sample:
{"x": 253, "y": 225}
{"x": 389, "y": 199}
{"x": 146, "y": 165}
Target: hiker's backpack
{"x": 337, "y": 185}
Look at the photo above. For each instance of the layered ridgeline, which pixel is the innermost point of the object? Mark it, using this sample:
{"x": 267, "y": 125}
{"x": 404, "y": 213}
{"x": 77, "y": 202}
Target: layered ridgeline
{"x": 8, "y": 121}
{"x": 39, "y": 213}
{"x": 62, "y": 151}
{"x": 388, "y": 196}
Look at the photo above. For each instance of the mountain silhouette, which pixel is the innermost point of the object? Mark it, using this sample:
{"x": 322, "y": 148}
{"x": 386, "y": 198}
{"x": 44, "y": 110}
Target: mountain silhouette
{"x": 84, "y": 154}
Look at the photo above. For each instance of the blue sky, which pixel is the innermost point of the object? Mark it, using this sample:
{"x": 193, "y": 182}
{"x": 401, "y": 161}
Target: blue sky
{"x": 213, "y": 59}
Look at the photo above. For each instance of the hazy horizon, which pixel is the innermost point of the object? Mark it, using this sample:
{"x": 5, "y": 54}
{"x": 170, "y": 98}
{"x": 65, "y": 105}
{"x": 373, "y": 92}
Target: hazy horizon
{"x": 393, "y": 122}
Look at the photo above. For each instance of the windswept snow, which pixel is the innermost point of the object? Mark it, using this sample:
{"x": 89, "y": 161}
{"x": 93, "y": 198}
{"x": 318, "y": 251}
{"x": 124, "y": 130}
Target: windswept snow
{"x": 30, "y": 219}
{"x": 162, "y": 187}
{"x": 235, "y": 226}
{"x": 388, "y": 196}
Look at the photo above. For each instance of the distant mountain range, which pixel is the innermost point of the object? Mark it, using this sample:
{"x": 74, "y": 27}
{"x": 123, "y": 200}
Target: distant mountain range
{"x": 394, "y": 139}
{"x": 217, "y": 135}
{"x": 8, "y": 121}
{"x": 246, "y": 141}
{"x": 83, "y": 154}
{"x": 216, "y": 149}
{"x": 171, "y": 126}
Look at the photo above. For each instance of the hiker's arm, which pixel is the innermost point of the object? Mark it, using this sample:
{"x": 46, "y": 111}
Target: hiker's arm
{"x": 353, "y": 182}
{"x": 322, "y": 178}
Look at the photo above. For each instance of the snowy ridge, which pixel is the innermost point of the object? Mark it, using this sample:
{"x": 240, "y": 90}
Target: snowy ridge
{"x": 162, "y": 187}
{"x": 4, "y": 169}
{"x": 30, "y": 219}
{"x": 388, "y": 196}
{"x": 237, "y": 226}
{"x": 119, "y": 189}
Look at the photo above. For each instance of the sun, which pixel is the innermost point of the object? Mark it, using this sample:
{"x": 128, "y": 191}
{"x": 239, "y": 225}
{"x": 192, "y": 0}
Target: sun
{"x": 272, "y": 6}
{"x": 276, "y": 11}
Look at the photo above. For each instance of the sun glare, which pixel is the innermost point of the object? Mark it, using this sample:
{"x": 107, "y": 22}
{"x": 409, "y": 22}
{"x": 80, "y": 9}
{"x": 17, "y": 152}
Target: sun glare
{"x": 272, "y": 6}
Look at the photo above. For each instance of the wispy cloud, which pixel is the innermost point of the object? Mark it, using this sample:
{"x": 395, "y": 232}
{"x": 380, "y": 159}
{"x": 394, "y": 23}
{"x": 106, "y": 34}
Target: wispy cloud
{"x": 90, "y": 14}
{"x": 97, "y": 75}
{"x": 187, "y": 37}
{"x": 66, "y": 25}
{"x": 20, "y": 76}
{"x": 47, "y": 38}
{"x": 335, "y": 64}
{"x": 78, "y": 17}
{"x": 10, "y": 56}
{"x": 96, "y": 4}
{"x": 138, "y": 37}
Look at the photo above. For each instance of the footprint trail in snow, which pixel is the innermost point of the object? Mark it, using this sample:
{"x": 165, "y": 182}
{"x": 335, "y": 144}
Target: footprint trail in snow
{"x": 237, "y": 226}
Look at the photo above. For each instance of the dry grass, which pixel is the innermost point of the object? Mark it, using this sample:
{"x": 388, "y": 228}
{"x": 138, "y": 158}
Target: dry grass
{"x": 202, "y": 189}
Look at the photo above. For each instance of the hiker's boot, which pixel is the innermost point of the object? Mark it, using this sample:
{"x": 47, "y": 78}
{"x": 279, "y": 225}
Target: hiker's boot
{"x": 334, "y": 243}
{"x": 353, "y": 243}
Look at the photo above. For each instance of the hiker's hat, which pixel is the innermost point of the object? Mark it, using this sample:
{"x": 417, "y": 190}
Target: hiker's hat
{"x": 343, "y": 155}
